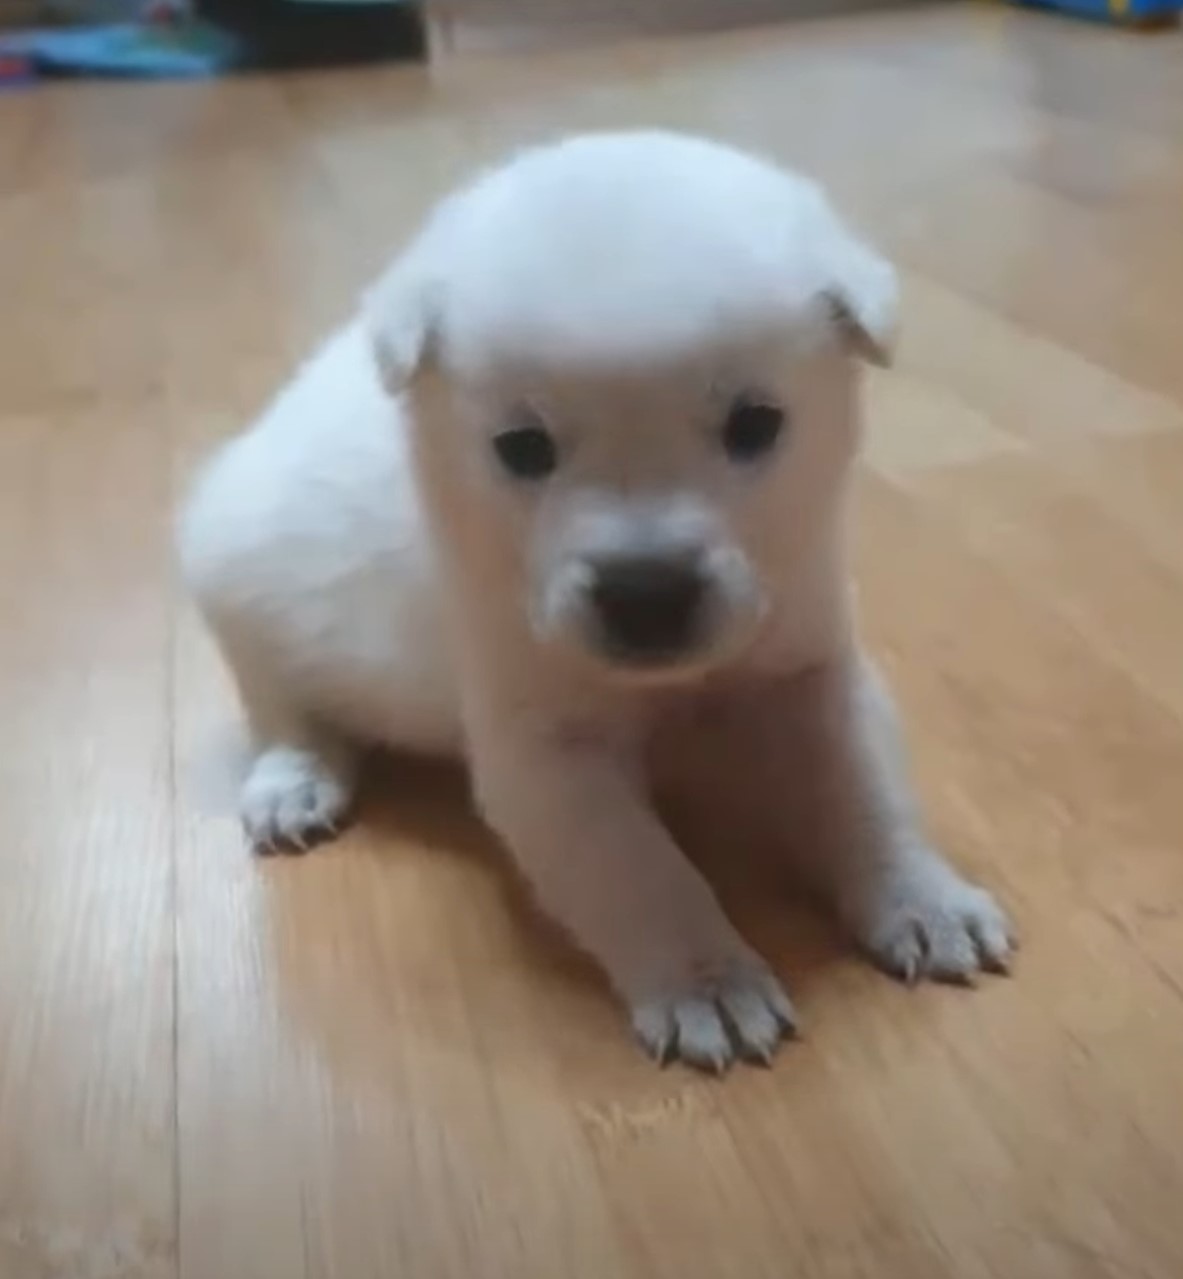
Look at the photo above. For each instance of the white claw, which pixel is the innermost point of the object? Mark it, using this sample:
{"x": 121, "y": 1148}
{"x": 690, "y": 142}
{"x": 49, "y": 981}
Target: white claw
{"x": 933, "y": 924}
{"x": 743, "y": 1013}
{"x": 291, "y": 799}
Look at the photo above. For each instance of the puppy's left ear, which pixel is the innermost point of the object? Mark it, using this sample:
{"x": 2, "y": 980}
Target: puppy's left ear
{"x": 399, "y": 316}
{"x": 862, "y": 293}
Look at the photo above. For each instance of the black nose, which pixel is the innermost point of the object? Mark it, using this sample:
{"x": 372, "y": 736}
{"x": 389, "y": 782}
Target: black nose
{"x": 648, "y": 607}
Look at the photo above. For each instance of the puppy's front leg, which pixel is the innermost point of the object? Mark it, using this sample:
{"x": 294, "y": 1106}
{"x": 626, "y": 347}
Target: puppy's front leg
{"x": 576, "y": 817}
{"x": 900, "y": 898}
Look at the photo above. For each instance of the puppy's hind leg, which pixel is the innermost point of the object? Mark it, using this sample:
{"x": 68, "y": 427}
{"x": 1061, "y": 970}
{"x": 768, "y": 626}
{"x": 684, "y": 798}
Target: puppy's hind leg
{"x": 303, "y": 775}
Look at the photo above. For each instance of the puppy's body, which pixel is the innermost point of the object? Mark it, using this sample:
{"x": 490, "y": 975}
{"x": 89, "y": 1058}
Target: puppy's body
{"x": 583, "y": 462}
{"x": 307, "y": 547}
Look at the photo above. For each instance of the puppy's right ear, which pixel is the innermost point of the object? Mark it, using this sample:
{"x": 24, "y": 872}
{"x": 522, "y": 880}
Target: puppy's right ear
{"x": 860, "y": 288}
{"x": 864, "y": 298}
{"x": 399, "y": 316}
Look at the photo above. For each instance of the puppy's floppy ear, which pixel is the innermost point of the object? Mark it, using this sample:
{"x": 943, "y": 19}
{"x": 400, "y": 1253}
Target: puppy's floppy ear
{"x": 399, "y": 315}
{"x": 861, "y": 290}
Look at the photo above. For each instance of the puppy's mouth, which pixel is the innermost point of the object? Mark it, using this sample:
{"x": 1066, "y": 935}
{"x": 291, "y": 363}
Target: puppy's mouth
{"x": 653, "y": 665}
{"x": 672, "y": 665}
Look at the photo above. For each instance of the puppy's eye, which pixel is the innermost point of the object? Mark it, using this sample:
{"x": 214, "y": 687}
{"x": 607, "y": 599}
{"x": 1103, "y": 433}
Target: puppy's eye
{"x": 752, "y": 429}
{"x": 527, "y": 451}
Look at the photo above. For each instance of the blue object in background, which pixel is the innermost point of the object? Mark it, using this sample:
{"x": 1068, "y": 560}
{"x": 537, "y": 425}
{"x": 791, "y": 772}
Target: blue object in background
{"x": 145, "y": 50}
{"x": 1125, "y": 12}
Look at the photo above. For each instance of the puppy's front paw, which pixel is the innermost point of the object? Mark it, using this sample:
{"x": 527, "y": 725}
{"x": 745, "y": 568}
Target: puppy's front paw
{"x": 737, "y": 1010}
{"x": 929, "y": 923}
{"x": 292, "y": 798}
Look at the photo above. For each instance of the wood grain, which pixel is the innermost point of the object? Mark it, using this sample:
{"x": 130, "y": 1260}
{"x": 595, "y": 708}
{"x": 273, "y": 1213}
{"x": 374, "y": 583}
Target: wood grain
{"x": 375, "y": 1061}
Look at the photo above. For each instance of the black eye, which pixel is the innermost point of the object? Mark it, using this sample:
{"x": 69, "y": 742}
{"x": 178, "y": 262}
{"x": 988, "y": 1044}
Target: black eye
{"x": 751, "y": 429}
{"x": 527, "y": 452}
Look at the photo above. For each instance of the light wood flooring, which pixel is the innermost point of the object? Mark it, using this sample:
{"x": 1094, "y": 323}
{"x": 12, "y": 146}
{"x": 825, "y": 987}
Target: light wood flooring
{"x": 369, "y": 1064}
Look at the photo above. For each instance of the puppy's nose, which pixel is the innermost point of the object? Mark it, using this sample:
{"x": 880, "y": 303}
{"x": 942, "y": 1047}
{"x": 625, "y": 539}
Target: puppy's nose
{"x": 649, "y": 606}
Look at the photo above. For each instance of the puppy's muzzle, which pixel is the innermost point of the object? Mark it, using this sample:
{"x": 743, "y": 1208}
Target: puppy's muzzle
{"x": 649, "y": 609}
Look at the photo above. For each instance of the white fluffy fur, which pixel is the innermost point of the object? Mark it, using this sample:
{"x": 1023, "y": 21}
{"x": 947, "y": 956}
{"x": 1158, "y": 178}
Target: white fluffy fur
{"x": 373, "y": 575}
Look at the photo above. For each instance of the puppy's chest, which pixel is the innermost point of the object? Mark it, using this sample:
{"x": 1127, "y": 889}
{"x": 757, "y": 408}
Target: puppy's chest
{"x": 733, "y": 741}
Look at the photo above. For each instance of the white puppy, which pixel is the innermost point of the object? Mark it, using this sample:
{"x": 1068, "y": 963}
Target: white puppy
{"x": 581, "y": 464}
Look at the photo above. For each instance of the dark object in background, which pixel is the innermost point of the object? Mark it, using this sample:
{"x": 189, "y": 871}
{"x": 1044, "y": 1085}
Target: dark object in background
{"x": 310, "y": 33}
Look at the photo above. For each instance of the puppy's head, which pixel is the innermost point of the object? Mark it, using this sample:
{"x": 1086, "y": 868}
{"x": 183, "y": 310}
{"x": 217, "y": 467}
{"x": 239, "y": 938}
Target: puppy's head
{"x": 631, "y": 365}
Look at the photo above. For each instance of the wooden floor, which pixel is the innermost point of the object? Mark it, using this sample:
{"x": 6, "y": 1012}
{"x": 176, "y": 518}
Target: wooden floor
{"x": 369, "y": 1063}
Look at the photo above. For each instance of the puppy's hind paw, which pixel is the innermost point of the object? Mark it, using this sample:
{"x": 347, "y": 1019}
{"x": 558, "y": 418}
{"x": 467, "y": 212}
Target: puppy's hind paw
{"x": 292, "y": 799}
{"x": 743, "y": 1013}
